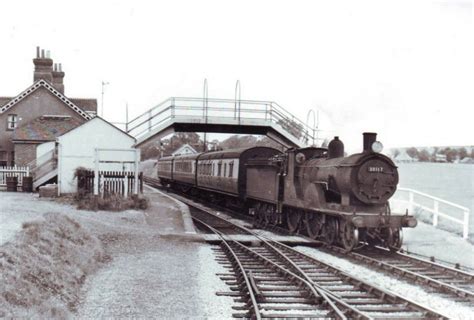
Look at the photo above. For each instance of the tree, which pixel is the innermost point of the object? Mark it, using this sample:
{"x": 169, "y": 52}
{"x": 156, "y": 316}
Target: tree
{"x": 424, "y": 156}
{"x": 179, "y": 139}
{"x": 236, "y": 141}
{"x": 462, "y": 153}
{"x": 413, "y": 152}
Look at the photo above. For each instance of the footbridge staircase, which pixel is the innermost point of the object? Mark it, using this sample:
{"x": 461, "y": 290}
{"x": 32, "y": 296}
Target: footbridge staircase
{"x": 44, "y": 168}
{"x": 221, "y": 116}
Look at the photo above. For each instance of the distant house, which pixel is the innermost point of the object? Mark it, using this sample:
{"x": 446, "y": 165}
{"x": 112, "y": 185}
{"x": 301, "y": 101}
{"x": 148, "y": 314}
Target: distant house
{"x": 441, "y": 158}
{"x": 403, "y": 157}
{"x": 467, "y": 160}
{"x": 184, "y": 149}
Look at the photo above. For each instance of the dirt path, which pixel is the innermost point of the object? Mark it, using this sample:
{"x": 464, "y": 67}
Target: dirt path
{"x": 155, "y": 272}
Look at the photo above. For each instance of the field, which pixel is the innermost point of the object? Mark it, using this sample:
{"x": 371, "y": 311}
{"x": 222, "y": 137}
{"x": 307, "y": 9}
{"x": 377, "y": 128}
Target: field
{"x": 451, "y": 182}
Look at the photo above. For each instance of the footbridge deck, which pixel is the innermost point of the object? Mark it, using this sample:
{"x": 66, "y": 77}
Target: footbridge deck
{"x": 221, "y": 116}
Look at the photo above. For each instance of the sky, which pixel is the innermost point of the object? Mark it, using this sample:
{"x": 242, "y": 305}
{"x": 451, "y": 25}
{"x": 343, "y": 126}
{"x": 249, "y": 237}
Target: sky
{"x": 403, "y": 69}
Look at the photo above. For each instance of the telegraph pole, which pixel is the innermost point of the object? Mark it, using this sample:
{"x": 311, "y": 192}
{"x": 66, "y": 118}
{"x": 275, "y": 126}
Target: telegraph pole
{"x": 104, "y": 83}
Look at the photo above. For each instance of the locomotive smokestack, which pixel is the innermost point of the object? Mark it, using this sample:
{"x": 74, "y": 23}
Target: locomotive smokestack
{"x": 335, "y": 148}
{"x": 369, "y": 139}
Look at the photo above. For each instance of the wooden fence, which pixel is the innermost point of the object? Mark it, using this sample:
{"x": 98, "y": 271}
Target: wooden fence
{"x": 110, "y": 182}
{"x": 14, "y": 171}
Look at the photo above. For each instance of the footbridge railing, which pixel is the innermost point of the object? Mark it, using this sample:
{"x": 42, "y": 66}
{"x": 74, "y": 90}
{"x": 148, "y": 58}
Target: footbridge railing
{"x": 217, "y": 111}
{"x": 436, "y": 207}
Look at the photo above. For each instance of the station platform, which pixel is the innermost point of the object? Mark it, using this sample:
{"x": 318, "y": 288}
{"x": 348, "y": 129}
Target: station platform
{"x": 288, "y": 240}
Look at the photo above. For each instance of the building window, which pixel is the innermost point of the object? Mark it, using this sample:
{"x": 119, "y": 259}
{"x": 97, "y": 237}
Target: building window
{"x": 12, "y": 121}
{"x": 3, "y": 158}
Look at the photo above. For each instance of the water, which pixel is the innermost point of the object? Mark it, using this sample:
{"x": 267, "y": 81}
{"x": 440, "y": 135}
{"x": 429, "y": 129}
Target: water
{"x": 448, "y": 181}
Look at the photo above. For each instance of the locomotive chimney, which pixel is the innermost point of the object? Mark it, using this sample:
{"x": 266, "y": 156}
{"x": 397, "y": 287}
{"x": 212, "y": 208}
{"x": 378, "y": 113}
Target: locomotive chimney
{"x": 369, "y": 139}
{"x": 335, "y": 148}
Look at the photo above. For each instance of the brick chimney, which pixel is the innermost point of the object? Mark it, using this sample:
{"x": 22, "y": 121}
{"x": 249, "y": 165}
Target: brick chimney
{"x": 58, "y": 77}
{"x": 43, "y": 66}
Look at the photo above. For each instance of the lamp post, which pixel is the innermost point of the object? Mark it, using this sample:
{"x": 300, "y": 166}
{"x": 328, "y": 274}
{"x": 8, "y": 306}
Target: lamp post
{"x": 102, "y": 104}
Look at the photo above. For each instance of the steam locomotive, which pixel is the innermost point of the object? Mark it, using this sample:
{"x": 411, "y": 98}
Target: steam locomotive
{"x": 317, "y": 191}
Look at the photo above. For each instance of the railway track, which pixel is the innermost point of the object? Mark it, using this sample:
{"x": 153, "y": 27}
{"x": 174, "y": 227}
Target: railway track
{"x": 273, "y": 280}
{"x": 442, "y": 279}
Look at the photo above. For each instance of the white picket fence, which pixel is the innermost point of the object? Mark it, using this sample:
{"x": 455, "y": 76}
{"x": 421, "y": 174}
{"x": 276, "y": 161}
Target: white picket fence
{"x": 452, "y": 214}
{"x": 14, "y": 171}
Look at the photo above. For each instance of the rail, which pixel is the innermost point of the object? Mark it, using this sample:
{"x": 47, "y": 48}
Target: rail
{"x": 213, "y": 110}
{"x": 435, "y": 209}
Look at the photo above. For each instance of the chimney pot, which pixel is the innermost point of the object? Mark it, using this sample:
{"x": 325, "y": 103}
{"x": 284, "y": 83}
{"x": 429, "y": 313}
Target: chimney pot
{"x": 37, "y": 52}
{"x": 48, "y": 54}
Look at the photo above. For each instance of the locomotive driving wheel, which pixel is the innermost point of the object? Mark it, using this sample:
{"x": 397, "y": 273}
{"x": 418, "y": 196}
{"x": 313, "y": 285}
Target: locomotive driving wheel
{"x": 314, "y": 224}
{"x": 349, "y": 235}
{"x": 293, "y": 219}
{"x": 331, "y": 230}
{"x": 394, "y": 239}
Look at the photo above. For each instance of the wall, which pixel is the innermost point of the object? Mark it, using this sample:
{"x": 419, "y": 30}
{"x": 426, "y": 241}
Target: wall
{"x": 40, "y": 102}
{"x": 77, "y": 149}
{"x": 24, "y": 153}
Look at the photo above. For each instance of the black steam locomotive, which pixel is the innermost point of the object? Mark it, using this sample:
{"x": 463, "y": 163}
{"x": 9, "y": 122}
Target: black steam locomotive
{"x": 316, "y": 191}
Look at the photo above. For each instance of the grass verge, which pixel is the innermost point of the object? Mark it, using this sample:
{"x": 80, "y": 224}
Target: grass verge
{"x": 44, "y": 268}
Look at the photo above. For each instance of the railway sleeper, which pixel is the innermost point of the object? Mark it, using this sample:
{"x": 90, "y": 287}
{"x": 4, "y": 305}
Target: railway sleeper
{"x": 309, "y": 315}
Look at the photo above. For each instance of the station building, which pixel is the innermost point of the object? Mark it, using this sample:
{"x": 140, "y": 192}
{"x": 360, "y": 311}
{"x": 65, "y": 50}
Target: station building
{"x": 40, "y": 113}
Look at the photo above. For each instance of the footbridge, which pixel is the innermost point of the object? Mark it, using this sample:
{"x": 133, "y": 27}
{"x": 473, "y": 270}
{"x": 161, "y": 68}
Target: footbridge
{"x": 221, "y": 116}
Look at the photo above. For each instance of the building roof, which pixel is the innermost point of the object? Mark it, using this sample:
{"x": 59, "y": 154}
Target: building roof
{"x": 180, "y": 150}
{"x": 4, "y": 100}
{"x": 85, "y": 104}
{"x": 97, "y": 118}
{"x": 45, "y": 128}
{"x": 50, "y": 88}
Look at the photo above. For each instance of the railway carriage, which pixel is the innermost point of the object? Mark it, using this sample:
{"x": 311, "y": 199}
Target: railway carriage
{"x": 225, "y": 172}
{"x": 184, "y": 170}
{"x": 165, "y": 170}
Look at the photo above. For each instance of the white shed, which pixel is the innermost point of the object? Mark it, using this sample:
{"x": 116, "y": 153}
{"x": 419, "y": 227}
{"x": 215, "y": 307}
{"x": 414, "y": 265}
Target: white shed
{"x": 76, "y": 148}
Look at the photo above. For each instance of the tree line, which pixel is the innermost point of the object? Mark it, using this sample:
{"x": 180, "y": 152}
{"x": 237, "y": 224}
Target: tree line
{"x": 422, "y": 154}
{"x": 166, "y": 147}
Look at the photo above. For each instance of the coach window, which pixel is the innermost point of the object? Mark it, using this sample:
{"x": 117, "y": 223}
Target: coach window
{"x": 231, "y": 169}
{"x": 225, "y": 170}
{"x": 219, "y": 168}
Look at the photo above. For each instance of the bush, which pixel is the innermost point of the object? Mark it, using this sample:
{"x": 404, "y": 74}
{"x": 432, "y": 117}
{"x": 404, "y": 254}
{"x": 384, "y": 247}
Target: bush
{"x": 112, "y": 202}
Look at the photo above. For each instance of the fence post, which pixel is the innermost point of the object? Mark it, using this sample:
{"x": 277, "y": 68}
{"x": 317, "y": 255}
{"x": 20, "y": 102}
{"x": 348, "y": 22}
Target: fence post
{"x": 465, "y": 231}
{"x": 125, "y": 185}
{"x": 410, "y": 201}
{"x": 102, "y": 185}
{"x": 435, "y": 214}
{"x": 96, "y": 173}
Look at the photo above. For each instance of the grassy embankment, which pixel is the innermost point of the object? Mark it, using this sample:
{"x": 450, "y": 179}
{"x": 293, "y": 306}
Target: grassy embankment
{"x": 44, "y": 267}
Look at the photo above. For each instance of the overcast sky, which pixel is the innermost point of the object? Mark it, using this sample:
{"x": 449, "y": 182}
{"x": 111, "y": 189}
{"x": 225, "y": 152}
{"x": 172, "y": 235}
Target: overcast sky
{"x": 401, "y": 68}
